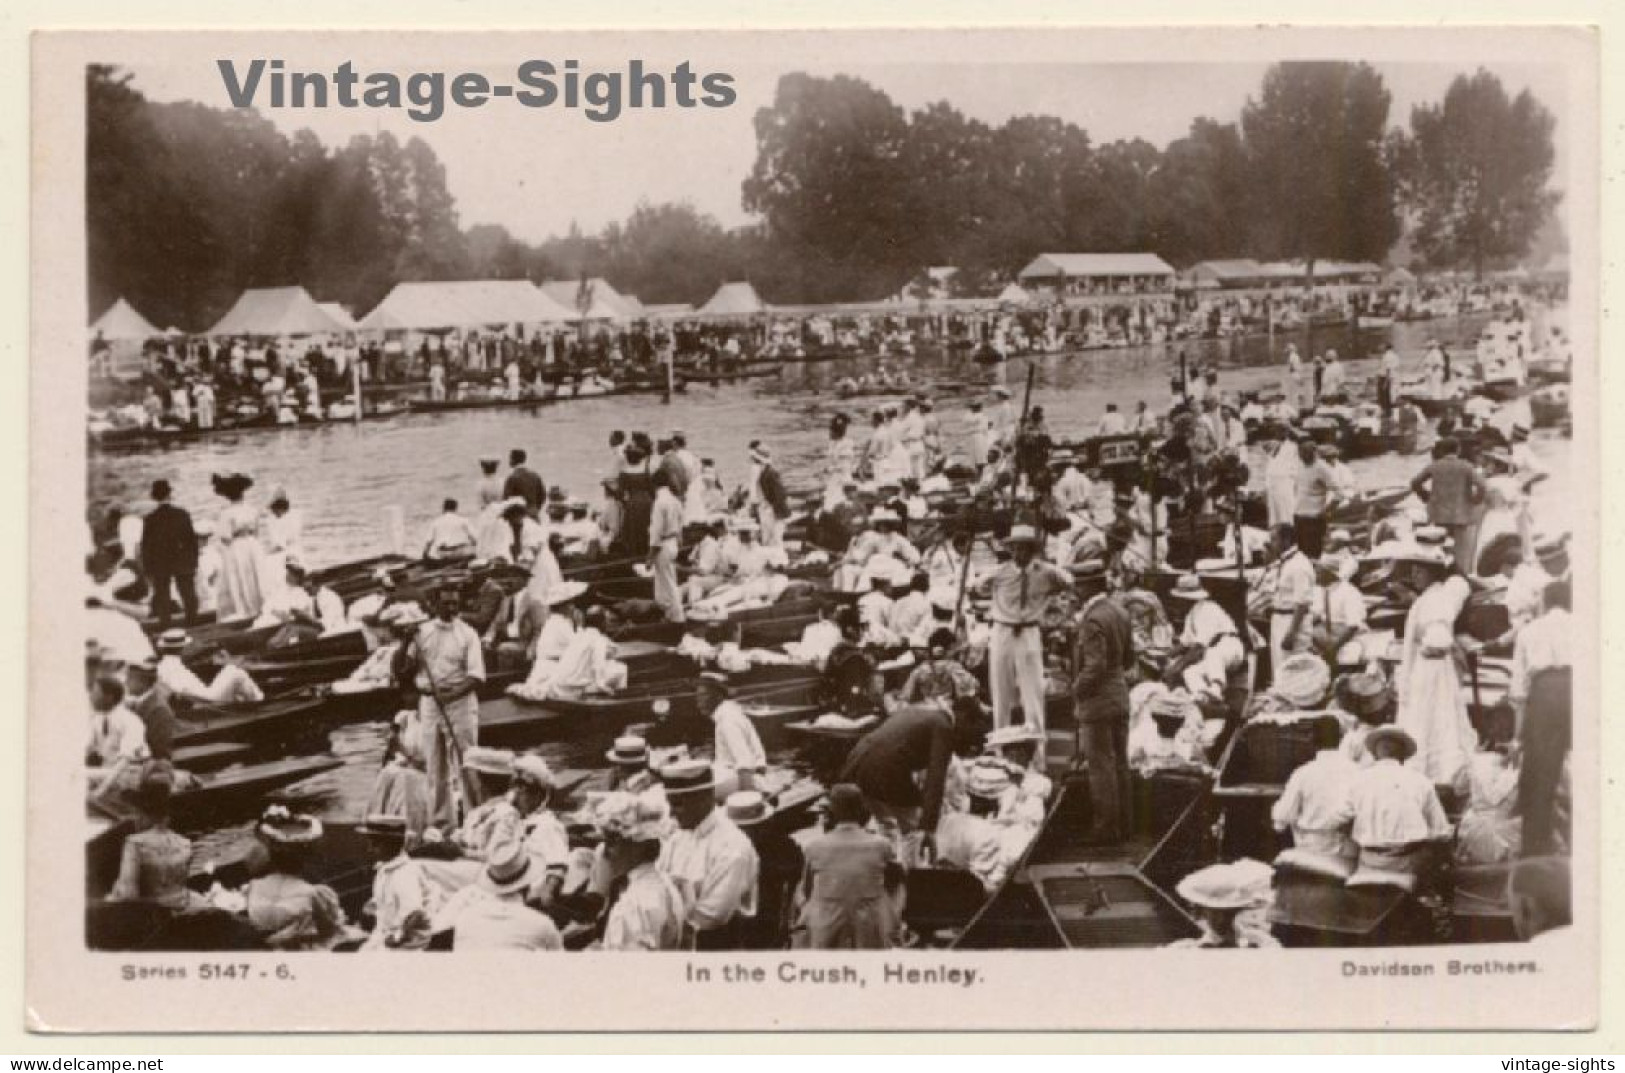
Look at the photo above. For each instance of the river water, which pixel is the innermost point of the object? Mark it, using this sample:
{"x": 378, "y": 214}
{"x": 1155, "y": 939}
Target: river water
{"x": 344, "y": 478}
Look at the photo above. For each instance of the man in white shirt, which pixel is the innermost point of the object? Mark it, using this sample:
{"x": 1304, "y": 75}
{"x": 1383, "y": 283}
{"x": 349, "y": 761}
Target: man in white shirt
{"x": 707, "y": 567}
{"x": 1337, "y": 614}
{"x": 116, "y": 733}
{"x": 1112, "y": 423}
{"x": 1208, "y": 626}
{"x": 451, "y": 668}
{"x": 231, "y": 684}
{"x": 737, "y": 748}
{"x": 450, "y": 535}
{"x": 1294, "y": 592}
{"x": 1021, "y": 591}
{"x": 910, "y": 616}
{"x": 1073, "y": 491}
{"x": 1541, "y": 692}
{"x": 1317, "y": 804}
{"x": 1397, "y": 815}
{"x": 665, "y": 537}
{"x": 712, "y": 861}
{"x": 492, "y": 914}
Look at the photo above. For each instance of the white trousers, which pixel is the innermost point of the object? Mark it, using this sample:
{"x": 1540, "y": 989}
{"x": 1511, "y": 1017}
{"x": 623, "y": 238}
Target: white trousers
{"x": 772, "y": 525}
{"x": 444, "y": 763}
{"x": 1016, "y": 667}
{"x": 667, "y": 593}
{"x": 230, "y": 686}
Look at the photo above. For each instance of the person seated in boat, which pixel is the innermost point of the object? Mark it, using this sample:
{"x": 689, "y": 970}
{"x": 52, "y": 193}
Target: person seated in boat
{"x": 648, "y": 912}
{"x": 522, "y": 537}
{"x": 155, "y": 861}
{"x": 1166, "y": 730}
{"x": 552, "y": 641}
{"x": 973, "y": 839}
{"x": 230, "y": 685}
{"x": 118, "y": 737}
{"x": 450, "y": 536}
{"x": 1362, "y": 701}
{"x": 1208, "y": 629}
{"x": 738, "y": 758}
{"x": 1072, "y": 491}
{"x": 707, "y": 569}
{"x": 915, "y": 507}
{"x": 1490, "y": 830}
{"x": 291, "y": 606}
{"x": 910, "y": 617}
{"x": 874, "y": 607}
{"x": 939, "y": 678}
{"x": 759, "y": 582}
{"x": 491, "y": 913}
{"x": 288, "y": 912}
{"x": 818, "y": 640}
{"x": 1231, "y": 901}
{"x": 1397, "y": 819}
{"x": 1111, "y": 423}
{"x": 629, "y": 763}
{"x": 586, "y": 666}
{"x": 1317, "y": 807}
{"x": 399, "y": 623}
{"x": 851, "y": 679}
{"x": 1337, "y": 611}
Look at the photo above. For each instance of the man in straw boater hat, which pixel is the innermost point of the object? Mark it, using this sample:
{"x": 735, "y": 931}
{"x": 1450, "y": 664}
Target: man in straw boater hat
{"x": 231, "y": 684}
{"x": 1021, "y": 590}
{"x": 1105, "y": 654}
{"x": 628, "y": 758}
{"x": 491, "y": 914}
{"x": 646, "y": 910}
{"x": 712, "y": 861}
{"x": 450, "y": 669}
{"x": 1397, "y": 818}
{"x": 1209, "y": 633}
{"x": 491, "y": 816}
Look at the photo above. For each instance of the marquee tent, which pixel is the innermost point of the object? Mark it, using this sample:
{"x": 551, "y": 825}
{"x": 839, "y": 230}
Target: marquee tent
{"x": 606, "y": 302}
{"x": 121, "y": 321}
{"x": 734, "y": 300}
{"x": 276, "y": 311}
{"x": 423, "y": 306}
{"x": 339, "y": 313}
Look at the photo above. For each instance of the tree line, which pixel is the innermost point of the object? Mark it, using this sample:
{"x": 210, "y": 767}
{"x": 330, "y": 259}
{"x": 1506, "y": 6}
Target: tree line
{"x": 851, "y": 196}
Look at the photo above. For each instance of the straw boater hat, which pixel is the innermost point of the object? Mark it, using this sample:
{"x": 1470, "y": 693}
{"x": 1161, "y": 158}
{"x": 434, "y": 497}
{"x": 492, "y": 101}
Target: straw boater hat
{"x": 1302, "y": 679}
{"x": 1021, "y": 534}
{"x": 687, "y": 777}
{"x": 1244, "y": 884}
{"x": 629, "y": 751}
{"x": 1014, "y": 734}
{"x": 488, "y": 761}
{"x": 173, "y": 640}
{"x": 1363, "y": 694}
{"x": 404, "y": 615}
{"x": 1188, "y": 587}
{"x": 507, "y": 870}
{"x": 746, "y": 808}
{"x": 285, "y": 828}
{"x": 1400, "y": 738}
{"x": 1431, "y": 536}
{"x": 716, "y": 680}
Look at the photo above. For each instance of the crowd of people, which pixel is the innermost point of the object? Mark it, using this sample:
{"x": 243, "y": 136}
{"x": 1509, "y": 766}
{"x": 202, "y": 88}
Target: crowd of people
{"x": 943, "y": 655}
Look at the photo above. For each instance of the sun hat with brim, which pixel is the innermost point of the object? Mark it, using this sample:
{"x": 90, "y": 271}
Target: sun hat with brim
{"x": 507, "y": 870}
{"x": 1400, "y": 738}
{"x": 747, "y": 807}
{"x": 716, "y": 680}
{"x": 1431, "y": 535}
{"x": 534, "y": 770}
{"x": 1302, "y": 680}
{"x": 628, "y": 751}
{"x": 564, "y": 592}
{"x": 488, "y": 761}
{"x": 173, "y": 640}
{"x": 286, "y": 828}
{"x": 686, "y": 777}
{"x": 1363, "y": 694}
{"x": 988, "y": 779}
{"x": 1239, "y": 885}
{"x": 1022, "y": 534}
{"x": 1188, "y": 587}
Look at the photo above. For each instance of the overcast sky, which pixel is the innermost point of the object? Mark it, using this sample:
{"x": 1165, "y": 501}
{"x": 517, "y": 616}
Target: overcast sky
{"x": 537, "y": 170}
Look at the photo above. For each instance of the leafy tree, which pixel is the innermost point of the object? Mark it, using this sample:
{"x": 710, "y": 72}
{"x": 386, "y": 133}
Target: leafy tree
{"x": 1475, "y": 171}
{"x": 1314, "y": 139}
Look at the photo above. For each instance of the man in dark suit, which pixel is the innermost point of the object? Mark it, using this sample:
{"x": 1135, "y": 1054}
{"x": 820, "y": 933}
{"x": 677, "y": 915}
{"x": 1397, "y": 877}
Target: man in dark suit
{"x": 169, "y": 554}
{"x": 1453, "y": 488}
{"x": 524, "y": 483}
{"x": 1100, "y": 692}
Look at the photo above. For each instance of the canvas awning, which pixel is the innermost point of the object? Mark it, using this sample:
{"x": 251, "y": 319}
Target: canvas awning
{"x": 1095, "y": 265}
{"x": 734, "y": 300}
{"x": 276, "y": 311}
{"x": 122, "y": 322}
{"x": 603, "y": 301}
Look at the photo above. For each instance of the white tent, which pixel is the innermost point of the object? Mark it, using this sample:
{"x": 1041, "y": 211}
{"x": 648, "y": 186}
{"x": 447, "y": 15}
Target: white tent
{"x": 605, "y": 302}
{"x": 276, "y": 311}
{"x": 734, "y": 300}
{"x": 423, "y": 306}
{"x": 339, "y": 313}
{"x": 1013, "y": 292}
{"x": 121, "y": 321}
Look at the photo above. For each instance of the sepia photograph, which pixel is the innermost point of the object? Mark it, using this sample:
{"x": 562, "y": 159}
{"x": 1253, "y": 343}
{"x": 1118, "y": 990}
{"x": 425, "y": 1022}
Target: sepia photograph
{"x": 590, "y": 494}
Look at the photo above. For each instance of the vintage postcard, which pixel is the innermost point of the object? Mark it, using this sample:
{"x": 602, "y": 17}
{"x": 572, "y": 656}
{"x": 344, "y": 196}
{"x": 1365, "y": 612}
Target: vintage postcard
{"x": 1046, "y": 528}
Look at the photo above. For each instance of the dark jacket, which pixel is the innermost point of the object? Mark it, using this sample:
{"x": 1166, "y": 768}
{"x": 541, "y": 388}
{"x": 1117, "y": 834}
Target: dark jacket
{"x": 1105, "y": 652}
{"x": 1452, "y": 488}
{"x": 773, "y": 491}
{"x": 168, "y": 542}
{"x": 883, "y": 762}
{"x": 527, "y": 485}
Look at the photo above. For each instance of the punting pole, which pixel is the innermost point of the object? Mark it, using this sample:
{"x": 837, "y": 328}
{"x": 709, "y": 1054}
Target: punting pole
{"x": 355, "y": 380}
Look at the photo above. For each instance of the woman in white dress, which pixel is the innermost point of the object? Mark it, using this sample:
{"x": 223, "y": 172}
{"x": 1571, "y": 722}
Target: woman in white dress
{"x": 282, "y": 532}
{"x": 840, "y": 461}
{"x": 237, "y": 594}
